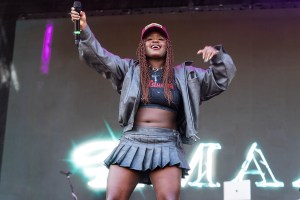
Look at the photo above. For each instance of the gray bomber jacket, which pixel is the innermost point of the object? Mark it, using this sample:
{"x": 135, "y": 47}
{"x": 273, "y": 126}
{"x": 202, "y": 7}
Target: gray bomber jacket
{"x": 195, "y": 84}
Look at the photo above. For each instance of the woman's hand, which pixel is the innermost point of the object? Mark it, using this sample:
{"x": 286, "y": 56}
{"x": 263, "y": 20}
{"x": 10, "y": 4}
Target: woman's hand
{"x": 82, "y": 17}
{"x": 208, "y": 52}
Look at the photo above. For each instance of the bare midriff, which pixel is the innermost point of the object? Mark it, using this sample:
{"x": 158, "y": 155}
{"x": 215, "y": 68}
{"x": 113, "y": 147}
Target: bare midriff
{"x": 155, "y": 117}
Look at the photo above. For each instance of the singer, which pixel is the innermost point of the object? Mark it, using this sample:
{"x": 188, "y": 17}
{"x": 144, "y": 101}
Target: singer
{"x": 159, "y": 107}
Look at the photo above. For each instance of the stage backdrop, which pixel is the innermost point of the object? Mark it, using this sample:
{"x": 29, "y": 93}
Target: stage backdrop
{"x": 62, "y": 114}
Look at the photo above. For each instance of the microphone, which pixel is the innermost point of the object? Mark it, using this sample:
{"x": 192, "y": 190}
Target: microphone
{"x": 77, "y": 6}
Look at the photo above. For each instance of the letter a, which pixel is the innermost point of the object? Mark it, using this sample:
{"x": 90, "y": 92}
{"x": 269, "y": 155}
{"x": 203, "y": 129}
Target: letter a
{"x": 262, "y": 168}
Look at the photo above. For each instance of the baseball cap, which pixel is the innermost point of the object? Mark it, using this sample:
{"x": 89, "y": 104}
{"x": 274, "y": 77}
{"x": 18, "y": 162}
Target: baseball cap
{"x": 154, "y": 27}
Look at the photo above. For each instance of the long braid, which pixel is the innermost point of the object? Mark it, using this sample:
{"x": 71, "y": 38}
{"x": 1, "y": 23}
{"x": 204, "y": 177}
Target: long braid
{"x": 144, "y": 71}
{"x": 168, "y": 73}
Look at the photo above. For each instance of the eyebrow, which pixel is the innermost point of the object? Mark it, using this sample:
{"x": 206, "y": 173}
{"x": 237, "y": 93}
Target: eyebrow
{"x": 159, "y": 36}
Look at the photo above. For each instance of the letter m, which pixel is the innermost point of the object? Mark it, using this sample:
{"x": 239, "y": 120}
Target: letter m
{"x": 203, "y": 157}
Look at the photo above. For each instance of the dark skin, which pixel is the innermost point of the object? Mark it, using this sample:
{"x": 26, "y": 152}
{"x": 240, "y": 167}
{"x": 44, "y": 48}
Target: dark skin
{"x": 166, "y": 181}
{"x": 156, "y": 118}
{"x": 155, "y": 53}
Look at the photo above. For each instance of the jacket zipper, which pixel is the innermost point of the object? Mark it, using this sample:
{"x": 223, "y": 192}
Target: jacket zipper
{"x": 188, "y": 97}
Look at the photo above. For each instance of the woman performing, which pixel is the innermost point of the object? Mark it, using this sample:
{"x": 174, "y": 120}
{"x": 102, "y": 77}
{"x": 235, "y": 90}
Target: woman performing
{"x": 159, "y": 108}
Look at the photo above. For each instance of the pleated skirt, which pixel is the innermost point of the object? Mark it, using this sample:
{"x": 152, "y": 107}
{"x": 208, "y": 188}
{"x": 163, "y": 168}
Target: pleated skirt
{"x": 148, "y": 148}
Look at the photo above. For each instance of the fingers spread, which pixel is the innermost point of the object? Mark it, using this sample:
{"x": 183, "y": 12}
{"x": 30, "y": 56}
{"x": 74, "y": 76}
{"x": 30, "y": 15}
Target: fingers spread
{"x": 207, "y": 53}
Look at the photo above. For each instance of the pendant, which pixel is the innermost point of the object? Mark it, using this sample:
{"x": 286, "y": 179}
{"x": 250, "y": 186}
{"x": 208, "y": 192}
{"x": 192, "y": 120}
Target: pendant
{"x": 155, "y": 76}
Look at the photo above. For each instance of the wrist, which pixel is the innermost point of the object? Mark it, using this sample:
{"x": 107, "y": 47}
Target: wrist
{"x": 83, "y": 26}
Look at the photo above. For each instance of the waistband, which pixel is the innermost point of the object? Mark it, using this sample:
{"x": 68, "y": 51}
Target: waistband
{"x": 145, "y": 131}
{"x": 153, "y": 129}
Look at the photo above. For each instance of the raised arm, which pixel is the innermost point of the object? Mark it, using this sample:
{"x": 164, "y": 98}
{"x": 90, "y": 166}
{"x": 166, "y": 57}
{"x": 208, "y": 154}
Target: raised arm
{"x": 111, "y": 66}
{"x": 218, "y": 76}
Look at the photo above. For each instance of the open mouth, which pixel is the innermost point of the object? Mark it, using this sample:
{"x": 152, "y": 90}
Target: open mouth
{"x": 155, "y": 47}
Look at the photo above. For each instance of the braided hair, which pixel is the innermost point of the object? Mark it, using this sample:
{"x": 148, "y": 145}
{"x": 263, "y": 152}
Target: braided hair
{"x": 145, "y": 71}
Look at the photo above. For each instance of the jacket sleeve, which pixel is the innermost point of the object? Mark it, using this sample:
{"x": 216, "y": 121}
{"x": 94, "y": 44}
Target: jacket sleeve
{"x": 111, "y": 66}
{"x": 218, "y": 76}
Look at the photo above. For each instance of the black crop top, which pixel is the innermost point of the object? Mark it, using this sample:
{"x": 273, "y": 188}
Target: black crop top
{"x": 157, "y": 96}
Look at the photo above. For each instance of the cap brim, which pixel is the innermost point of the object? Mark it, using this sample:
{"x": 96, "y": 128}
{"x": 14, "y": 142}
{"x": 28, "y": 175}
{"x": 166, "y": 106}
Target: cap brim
{"x": 154, "y": 28}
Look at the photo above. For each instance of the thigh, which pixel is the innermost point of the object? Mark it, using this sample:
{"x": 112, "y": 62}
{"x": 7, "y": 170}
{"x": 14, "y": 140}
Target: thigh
{"x": 166, "y": 182}
{"x": 121, "y": 182}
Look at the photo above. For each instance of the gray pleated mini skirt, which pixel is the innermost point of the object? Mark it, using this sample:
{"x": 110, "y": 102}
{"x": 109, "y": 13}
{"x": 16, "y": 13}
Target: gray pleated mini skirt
{"x": 148, "y": 148}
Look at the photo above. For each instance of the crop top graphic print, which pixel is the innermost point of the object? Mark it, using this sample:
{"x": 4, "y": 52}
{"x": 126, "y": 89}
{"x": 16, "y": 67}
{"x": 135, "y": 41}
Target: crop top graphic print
{"x": 157, "y": 96}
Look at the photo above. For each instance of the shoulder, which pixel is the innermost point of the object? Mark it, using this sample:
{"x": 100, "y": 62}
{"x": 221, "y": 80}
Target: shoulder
{"x": 133, "y": 66}
{"x": 132, "y": 63}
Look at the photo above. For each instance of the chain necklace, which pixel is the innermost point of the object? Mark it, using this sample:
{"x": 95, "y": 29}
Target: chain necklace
{"x": 156, "y": 69}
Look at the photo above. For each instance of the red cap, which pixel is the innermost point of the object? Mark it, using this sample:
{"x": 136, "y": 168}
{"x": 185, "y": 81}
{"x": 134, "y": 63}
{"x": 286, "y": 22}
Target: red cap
{"x": 154, "y": 27}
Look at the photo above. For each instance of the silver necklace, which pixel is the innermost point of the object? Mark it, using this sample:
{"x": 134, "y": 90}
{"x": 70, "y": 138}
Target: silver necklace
{"x": 155, "y": 76}
{"x": 156, "y": 69}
